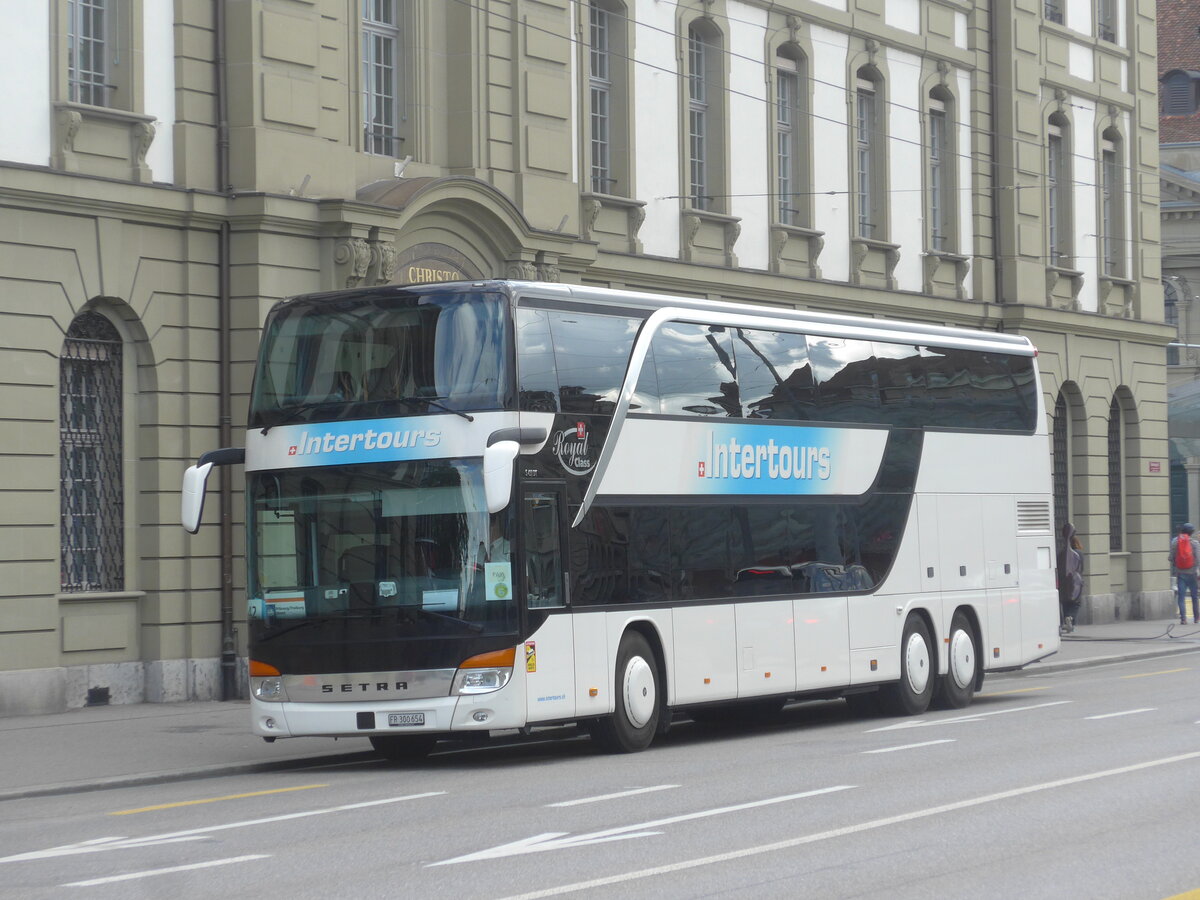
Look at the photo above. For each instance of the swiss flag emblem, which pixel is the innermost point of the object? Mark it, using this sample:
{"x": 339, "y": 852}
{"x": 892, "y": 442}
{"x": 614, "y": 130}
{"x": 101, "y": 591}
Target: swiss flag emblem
{"x": 580, "y": 433}
{"x": 701, "y": 472}
{"x": 291, "y": 451}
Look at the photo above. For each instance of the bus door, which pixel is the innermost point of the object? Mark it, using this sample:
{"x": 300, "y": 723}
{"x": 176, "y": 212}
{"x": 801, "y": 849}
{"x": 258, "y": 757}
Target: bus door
{"x": 549, "y": 648}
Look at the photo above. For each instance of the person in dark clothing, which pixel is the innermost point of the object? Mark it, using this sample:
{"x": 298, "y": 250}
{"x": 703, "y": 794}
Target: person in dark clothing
{"x": 1070, "y": 578}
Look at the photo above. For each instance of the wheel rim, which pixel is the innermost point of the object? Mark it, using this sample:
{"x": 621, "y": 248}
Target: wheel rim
{"x": 639, "y": 692}
{"x": 962, "y": 658}
{"x": 916, "y": 663}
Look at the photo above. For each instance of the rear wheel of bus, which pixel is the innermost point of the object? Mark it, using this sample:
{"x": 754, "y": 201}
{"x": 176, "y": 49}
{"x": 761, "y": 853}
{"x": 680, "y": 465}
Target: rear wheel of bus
{"x": 637, "y": 702}
{"x": 910, "y": 696}
{"x": 956, "y": 688}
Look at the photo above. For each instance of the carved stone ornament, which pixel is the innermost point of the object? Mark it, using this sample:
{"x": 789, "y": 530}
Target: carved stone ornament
{"x": 520, "y": 270}
{"x": 794, "y": 24}
{"x": 691, "y": 227}
{"x": 637, "y": 215}
{"x": 858, "y": 255}
{"x": 352, "y": 257}
{"x": 591, "y": 212}
{"x": 383, "y": 262}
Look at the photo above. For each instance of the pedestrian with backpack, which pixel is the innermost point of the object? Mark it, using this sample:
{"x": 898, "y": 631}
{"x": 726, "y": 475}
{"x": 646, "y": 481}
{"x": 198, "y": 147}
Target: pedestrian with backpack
{"x": 1070, "y": 578}
{"x": 1185, "y": 559}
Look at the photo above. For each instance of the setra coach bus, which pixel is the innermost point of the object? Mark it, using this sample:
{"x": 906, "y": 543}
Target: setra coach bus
{"x": 494, "y": 505}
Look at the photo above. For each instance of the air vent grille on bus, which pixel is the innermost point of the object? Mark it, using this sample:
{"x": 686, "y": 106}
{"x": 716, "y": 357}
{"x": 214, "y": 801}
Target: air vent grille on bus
{"x": 1033, "y": 516}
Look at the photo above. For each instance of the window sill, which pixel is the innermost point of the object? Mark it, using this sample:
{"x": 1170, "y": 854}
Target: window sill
{"x": 97, "y": 140}
{"x": 99, "y": 596}
{"x": 612, "y": 221}
{"x": 708, "y": 236}
{"x": 865, "y": 250}
{"x": 808, "y": 244}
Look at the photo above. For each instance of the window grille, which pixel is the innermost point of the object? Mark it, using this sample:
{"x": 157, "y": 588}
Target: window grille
{"x": 1060, "y": 464}
{"x": 1115, "y": 507}
{"x": 87, "y": 26}
{"x": 91, "y": 487}
{"x": 601, "y": 84}
{"x": 698, "y": 120}
{"x": 380, "y": 79}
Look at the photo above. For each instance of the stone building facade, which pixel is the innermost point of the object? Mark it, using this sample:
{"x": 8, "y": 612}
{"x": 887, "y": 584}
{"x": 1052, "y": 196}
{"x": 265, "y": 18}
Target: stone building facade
{"x": 179, "y": 167}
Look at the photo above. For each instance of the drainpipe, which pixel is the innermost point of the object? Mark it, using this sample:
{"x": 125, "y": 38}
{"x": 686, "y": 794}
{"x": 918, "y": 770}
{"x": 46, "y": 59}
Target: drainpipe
{"x": 993, "y": 108}
{"x": 229, "y": 679}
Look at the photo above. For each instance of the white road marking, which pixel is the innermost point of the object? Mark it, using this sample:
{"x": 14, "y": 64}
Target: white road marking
{"x": 1127, "y": 712}
{"x": 132, "y": 875}
{"x": 911, "y": 746}
{"x": 194, "y": 834}
{"x": 972, "y": 717}
{"x": 560, "y": 840}
{"x": 597, "y": 799}
{"x": 847, "y": 830}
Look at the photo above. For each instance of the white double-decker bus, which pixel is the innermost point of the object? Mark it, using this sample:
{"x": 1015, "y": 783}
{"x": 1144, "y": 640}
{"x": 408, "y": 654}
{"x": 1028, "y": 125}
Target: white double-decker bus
{"x": 484, "y": 506}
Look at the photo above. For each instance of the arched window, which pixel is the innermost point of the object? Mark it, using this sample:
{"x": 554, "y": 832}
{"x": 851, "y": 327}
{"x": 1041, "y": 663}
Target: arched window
{"x": 791, "y": 137}
{"x": 1171, "y": 317}
{"x": 608, "y": 68}
{"x": 1116, "y": 492}
{"x": 942, "y": 195}
{"x": 91, "y": 481}
{"x": 1112, "y": 204}
{"x": 1060, "y": 447}
{"x": 869, "y": 193}
{"x": 706, "y": 117}
{"x": 1058, "y": 191}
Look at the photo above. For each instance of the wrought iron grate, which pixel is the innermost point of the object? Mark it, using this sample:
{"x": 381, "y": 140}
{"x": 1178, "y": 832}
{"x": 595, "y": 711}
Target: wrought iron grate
{"x": 92, "y": 493}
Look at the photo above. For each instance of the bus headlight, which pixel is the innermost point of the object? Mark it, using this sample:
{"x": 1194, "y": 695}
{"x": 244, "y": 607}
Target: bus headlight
{"x": 484, "y": 673}
{"x": 270, "y": 689}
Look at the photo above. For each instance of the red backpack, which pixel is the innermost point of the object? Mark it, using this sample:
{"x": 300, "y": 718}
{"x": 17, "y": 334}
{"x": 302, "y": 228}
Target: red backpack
{"x": 1185, "y": 558}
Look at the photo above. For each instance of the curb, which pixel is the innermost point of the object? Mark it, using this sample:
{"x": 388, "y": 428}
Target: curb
{"x": 122, "y": 781}
{"x": 1039, "y": 668}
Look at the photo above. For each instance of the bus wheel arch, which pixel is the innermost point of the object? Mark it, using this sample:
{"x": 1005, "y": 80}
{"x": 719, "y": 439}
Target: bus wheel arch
{"x": 639, "y": 697}
{"x": 957, "y": 685}
{"x": 913, "y": 692}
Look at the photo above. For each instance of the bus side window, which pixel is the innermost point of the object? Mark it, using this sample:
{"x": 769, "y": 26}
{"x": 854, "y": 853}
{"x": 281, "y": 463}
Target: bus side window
{"x": 543, "y": 551}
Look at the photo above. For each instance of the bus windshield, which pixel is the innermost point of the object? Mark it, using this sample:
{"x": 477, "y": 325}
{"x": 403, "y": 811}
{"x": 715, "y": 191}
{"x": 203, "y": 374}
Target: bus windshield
{"x": 385, "y": 353}
{"x": 406, "y": 545}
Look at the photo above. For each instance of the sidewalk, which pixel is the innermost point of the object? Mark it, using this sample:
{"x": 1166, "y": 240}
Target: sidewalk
{"x": 110, "y": 746}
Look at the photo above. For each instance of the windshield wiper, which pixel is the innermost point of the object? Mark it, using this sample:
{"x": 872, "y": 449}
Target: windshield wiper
{"x": 292, "y": 413}
{"x": 429, "y": 401}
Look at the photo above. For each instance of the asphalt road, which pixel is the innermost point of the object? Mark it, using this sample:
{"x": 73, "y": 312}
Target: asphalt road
{"x": 1069, "y": 784}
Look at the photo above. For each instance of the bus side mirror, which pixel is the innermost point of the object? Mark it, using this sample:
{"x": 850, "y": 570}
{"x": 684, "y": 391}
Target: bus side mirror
{"x": 498, "y": 473}
{"x": 192, "y": 501}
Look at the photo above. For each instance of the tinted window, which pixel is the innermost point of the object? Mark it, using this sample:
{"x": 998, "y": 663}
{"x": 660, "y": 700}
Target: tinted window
{"x": 847, "y": 380}
{"x": 775, "y": 378}
{"x": 591, "y": 353}
{"x": 535, "y": 362}
{"x": 695, "y": 370}
{"x": 903, "y": 388}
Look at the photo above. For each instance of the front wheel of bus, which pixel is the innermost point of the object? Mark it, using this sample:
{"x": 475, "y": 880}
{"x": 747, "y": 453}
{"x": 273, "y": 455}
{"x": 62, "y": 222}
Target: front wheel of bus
{"x": 957, "y": 686}
{"x": 632, "y": 725}
{"x": 403, "y": 747}
{"x": 910, "y": 696}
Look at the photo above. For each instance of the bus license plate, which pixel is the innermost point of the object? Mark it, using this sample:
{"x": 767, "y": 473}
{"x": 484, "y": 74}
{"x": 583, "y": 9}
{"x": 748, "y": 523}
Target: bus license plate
{"x": 406, "y": 719}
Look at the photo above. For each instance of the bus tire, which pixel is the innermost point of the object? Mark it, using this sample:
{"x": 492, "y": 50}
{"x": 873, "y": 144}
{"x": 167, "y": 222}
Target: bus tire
{"x": 956, "y": 688}
{"x": 637, "y": 699}
{"x": 910, "y": 696}
{"x": 402, "y": 747}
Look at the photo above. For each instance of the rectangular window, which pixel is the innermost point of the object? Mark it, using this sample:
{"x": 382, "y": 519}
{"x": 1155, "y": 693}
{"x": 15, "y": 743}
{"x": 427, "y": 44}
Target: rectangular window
{"x": 938, "y": 200}
{"x": 380, "y": 77}
{"x": 865, "y": 138}
{"x": 1106, "y": 24}
{"x": 87, "y": 64}
{"x": 697, "y": 122}
{"x": 1116, "y": 536}
{"x": 1053, "y": 11}
{"x": 601, "y": 84}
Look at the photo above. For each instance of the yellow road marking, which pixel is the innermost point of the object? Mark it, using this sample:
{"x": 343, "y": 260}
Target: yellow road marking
{"x": 1016, "y": 691}
{"x": 1187, "y": 895}
{"x": 130, "y": 812}
{"x": 1163, "y": 672}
